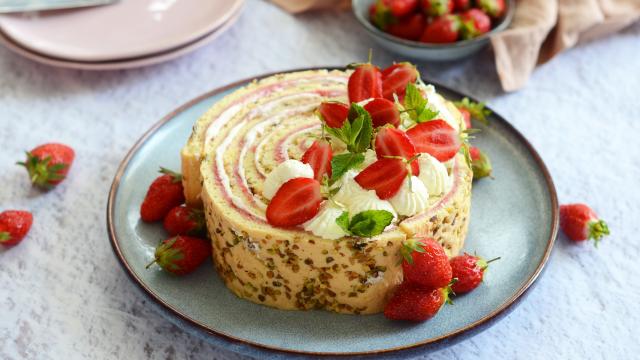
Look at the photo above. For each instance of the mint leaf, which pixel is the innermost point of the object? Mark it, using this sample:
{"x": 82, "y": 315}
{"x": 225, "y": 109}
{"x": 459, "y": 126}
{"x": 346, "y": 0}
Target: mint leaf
{"x": 362, "y": 128}
{"x": 370, "y": 223}
{"x": 416, "y": 105}
{"x": 340, "y": 164}
{"x": 343, "y": 221}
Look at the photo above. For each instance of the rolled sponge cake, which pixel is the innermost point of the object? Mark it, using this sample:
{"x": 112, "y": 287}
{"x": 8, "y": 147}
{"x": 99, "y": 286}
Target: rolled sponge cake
{"x": 245, "y": 136}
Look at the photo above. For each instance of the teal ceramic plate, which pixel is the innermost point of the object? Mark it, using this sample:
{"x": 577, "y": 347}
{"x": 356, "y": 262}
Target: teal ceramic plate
{"x": 514, "y": 216}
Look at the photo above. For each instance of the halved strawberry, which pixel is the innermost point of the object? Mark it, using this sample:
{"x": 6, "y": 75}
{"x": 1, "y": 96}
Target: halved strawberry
{"x": 365, "y": 83}
{"x": 394, "y": 142}
{"x": 383, "y": 112}
{"x": 319, "y": 156}
{"x": 395, "y": 79}
{"x": 333, "y": 113}
{"x": 298, "y": 200}
{"x": 385, "y": 176}
{"x": 409, "y": 28}
{"x": 437, "y": 138}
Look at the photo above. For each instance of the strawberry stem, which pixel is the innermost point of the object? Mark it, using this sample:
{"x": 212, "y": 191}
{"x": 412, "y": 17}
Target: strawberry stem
{"x": 492, "y": 260}
{"x": 151, "y": 263}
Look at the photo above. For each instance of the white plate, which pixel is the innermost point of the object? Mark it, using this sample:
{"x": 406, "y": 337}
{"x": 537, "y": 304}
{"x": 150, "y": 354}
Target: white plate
{"x": 119, "y": 64}
{"x": 128, "y": 29}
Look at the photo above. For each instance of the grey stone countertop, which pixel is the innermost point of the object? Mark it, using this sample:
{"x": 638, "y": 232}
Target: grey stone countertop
{"x": 64, "y": 296}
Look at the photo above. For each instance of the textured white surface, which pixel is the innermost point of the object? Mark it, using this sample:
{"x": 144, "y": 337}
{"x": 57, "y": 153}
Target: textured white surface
{"x": 63, "y": 295}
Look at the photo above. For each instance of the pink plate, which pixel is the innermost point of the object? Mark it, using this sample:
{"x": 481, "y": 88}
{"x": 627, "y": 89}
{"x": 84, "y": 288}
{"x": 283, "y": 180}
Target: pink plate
{"x": 118, "y": 64}
{"x": 127, "y": 29}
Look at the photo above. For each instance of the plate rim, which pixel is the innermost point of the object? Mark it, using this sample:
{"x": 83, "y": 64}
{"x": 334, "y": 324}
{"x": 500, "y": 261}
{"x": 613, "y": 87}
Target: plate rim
{"x": 503, "y": 309}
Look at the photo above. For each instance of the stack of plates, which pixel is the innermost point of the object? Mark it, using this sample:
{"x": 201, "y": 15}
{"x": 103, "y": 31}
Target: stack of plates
{"x": 130, "y": 33}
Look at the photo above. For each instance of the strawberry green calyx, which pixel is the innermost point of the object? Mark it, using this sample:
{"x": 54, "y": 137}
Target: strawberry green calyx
{"x": 408, "y": 247}
{"x": 176, "y": 177}
{"x": 4, "y": 236}
{"x": 481, "y": 166}
{"x": 597, "y": 230}
{"x": 166, "y": 256}
{"x": 41, "y": 173}
{"x": 382, "y": 16}
{"x": 484, "y": 264}
{"x": 477, "y": 110}
{"x": 447, "y": 291}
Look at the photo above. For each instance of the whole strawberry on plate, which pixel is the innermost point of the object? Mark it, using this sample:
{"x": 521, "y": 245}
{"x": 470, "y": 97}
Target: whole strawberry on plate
{"x": 48, "y": 164}
{"x": 480, "y": 163}
{"x": 415, "y": 303}
{"x": 469, "y": 272}
{"x": 14, "y": 226}
{"x": 185, "y": 220}
{"x": 579, "y": 222}
{"x": 425, "y": 264}
{"x": 181, "y": 254}
{"x": 164, "y": 193}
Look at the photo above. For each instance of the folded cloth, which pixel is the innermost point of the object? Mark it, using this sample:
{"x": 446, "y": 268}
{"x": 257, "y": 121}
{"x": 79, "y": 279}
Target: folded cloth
{"x": 540, "y": 30}
{"x": 543, "y": 28}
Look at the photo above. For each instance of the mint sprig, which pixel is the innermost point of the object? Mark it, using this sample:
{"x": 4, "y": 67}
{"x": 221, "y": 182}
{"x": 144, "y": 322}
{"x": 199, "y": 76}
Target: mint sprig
{"x": 416, "y": 105}
{"x": 356, "y": 132}
{"x": 365, "y": 224}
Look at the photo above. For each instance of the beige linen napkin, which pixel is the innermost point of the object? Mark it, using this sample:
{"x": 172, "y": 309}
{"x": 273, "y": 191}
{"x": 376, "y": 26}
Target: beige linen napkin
{"x": 540, "y": 30}
{"x": 543, "y": 28}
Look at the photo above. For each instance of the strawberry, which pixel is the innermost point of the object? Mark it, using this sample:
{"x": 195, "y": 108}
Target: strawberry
{"x": 333, "y": 113}
{"x": 298, "y": 200}
{"x": 164, "y": 194}
{"x": 365, "y": 83}
{"x": 437, "y": 7}
{"x": 14, "y": 226}
{"x": 480, "y": 163}
{"x": 383, "y": 112}
{"x": 471, "y": 109}
{"x": 437, "y": 138}
{"x": 474, "y": 23}
{"x": 425, "y": 263}
{"x": 579, "y": 222}
{"x": 319, "y": 156}
{"x": 181, "y": 254}
{"x": 410, "y": 27}
{"x": 461, "y": 5}
{"x": 469, "y": 271}
{"x": 395, "y": 79}
{"x": 442, "y": 30}
{"x": 493, "y": 8}
{"x": 184, "y": 220}
{"x": 48, "y": 164}
{"x": 393, "y": 142}
{"x": 384, "y": 13}
{"x": 415, "y": 303}
{"x": 385, "y": 176}
{"x": 466, "y": 116}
